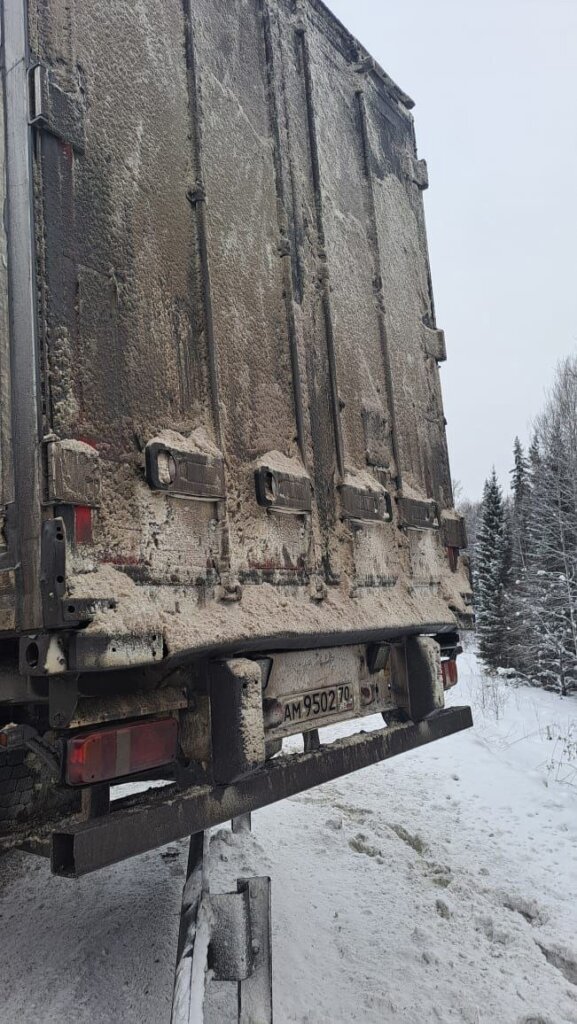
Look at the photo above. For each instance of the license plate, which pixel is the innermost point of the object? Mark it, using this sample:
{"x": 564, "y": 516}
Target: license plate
{"x": 307, "y": 707}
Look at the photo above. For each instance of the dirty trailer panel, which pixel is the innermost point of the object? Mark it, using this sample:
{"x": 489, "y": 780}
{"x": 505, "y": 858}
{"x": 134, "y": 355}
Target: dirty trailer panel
{"x": 240, "y": 434}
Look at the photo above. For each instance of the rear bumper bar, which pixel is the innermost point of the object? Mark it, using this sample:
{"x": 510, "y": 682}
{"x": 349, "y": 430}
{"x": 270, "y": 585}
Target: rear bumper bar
{"x": 163, "y": 816}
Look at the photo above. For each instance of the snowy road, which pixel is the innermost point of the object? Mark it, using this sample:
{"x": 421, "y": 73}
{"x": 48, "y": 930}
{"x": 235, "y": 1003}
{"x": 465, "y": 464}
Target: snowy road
{"x": 438, "y": 887}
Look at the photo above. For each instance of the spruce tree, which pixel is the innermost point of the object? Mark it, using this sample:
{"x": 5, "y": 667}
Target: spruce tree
{"x": 534, "y": 457}
{"x": 526, "y": 552}
{"x": 515, "y": 597}
{"x": 552, "y": 564}
{"x": 551, "y": 541}
{"x": 492, "y": 562}
{"x": 519, "y": 478}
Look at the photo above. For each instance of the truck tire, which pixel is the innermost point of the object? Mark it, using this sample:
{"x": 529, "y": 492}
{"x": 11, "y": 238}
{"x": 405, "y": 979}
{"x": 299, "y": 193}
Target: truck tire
{"x": 16, "y": 786}
{"x": 27, "y": 791}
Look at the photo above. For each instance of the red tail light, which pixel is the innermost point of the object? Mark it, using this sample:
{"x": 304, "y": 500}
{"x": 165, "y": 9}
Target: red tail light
{"x": 82, "y": 524}
{"x": 124, "y": 750}
{"x": 450, "y": 673}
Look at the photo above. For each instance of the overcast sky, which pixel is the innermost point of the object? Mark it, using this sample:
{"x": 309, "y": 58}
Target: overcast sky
{"x": 495, "y": 83}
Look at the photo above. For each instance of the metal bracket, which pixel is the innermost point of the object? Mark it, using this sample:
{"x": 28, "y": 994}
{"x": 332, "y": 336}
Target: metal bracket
{"x": 77, "y": 610}
{"x": 43, "y": 654}
{"x": 227, "y": 933}
{"x": 230, "y": 955}
{"x": 106, "y": 651}
{"x": 53, "y": 571}
{"x": 75, "y": 651}
{"x": 417, "y": 685}
{"x": 311, "y": 741}
{"x": 54, "y": 110}
{"x": 454, "y": 531}
{"x": 283, "y": 492}
{"x": 73, "y": 473}
{"x": 190, "y": 474}
{"x": 255, "y": 991}
{"x": 378, "y": 657}
{"x": 238, "y": 746}
{"x": 242, "y": 824}
{"x": 365, "y": 505}
{"x": 62, "y": 700}
{"x": 58, "y": 611}
{"x": 434, "y": 343}
{"x": 418, "y": 515}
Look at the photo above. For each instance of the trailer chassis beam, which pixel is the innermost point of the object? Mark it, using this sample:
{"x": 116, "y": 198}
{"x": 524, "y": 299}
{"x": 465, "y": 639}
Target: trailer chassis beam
{"x": 160, "y": 817}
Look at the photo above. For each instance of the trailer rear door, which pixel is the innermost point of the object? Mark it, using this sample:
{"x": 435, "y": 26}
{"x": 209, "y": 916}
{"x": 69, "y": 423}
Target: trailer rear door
{"x": 241, "y": 427}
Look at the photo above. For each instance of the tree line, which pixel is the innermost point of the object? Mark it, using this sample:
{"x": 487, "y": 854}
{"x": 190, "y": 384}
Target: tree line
{"x": 524, "y": 553}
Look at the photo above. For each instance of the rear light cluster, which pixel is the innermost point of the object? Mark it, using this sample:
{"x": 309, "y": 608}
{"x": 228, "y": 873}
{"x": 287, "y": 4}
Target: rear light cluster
{"x": 120, "y": 751}
{"x": 450, "y": 673}
{"x": 82, "y": 524}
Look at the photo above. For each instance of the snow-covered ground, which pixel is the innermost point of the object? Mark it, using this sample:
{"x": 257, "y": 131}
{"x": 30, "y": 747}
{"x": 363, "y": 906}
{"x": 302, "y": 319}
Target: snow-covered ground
{"x": 441, "y": 886}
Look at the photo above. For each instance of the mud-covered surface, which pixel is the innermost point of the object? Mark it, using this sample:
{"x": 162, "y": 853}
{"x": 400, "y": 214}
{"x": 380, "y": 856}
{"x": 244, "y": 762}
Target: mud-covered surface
{"x": 6, "y": 483}
{"x": 233, "y": 258}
